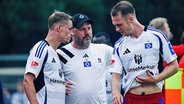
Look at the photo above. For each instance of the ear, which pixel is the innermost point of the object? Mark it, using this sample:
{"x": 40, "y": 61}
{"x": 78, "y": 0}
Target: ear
{"x": 59, "y": 28}
{"x": 131, "y": 18}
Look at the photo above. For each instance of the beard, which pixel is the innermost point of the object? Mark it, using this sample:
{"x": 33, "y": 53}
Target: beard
{"x": 83, "y": 42}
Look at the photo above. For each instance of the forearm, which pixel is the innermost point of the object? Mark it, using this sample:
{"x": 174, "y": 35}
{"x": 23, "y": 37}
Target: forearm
{"x": 30, "y": 90}
{"x": 168, "y": 71}
{"x": 115, "y": 84}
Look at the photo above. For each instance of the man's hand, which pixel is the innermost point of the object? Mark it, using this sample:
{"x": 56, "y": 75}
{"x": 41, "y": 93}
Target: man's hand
{"x": 117, "y": 98}
{"x": 68, "y": 87}
{"x": 149, "y": 79}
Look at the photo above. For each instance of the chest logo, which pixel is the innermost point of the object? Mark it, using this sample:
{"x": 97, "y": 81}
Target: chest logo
{"x": 148, "y": 45}
{"x": 60, "y": 73}
{"x": 85, "y": 56}
{"x": 53, "y": 60}
{"x": 138, "y": 59}
{"x": 87, "y": 63}
{"x": 126, "y": 51}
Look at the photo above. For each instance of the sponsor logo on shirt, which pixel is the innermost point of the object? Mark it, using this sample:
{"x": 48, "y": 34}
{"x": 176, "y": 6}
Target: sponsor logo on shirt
{"x": 141, "y": 68}
{"x": 34, "y": 63}
{"x": 57, "y": 81}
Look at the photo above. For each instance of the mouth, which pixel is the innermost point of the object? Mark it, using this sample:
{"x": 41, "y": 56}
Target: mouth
{"x": 69, "y": 38}
{"x": 87, "y": 38}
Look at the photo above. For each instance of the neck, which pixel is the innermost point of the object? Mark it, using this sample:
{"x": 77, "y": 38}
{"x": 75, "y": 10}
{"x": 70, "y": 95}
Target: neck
{"x": 138, "y": 29}
{"x": 53, "y": 42}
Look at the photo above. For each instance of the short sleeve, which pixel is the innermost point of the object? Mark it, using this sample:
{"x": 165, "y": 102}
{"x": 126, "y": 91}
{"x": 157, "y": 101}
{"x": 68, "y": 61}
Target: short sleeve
{"x": 36, "y": 58}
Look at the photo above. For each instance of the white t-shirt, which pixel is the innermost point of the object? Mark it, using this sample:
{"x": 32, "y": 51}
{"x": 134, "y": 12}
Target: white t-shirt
{"x": 44, "y": 63}
{"x": 86, "y": 69}
{"x": 108, "y": 87}
{"x": 133, "y": 56}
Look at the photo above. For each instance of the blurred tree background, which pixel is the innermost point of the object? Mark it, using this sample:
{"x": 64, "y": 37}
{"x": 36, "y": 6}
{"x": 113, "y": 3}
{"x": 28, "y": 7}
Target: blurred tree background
{"x": 24, "y": 22}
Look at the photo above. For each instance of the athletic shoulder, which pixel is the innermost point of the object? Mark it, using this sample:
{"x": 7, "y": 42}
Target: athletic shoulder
{"x": 119, "y": 41}
{"x": 157, "y": 33}
{"x": 39, "y": 48}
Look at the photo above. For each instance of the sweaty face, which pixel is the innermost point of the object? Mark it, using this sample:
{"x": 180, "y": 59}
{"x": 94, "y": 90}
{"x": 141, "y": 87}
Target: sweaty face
{"x": 122, "y": 24}
{"x": 83, "y": 35}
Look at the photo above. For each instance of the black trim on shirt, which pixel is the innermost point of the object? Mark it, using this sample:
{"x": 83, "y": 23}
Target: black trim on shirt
{"x": 39, "y": 81}
{"x": 47, "y": 42}
{"x": 62, "y": 59}
{"x": 67, "y": 52}
{"x": 145, "y": 28}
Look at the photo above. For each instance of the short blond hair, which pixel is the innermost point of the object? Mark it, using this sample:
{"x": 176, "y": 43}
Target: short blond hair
{"x": 58, "y": 17}
{"x": 158, "y": 23}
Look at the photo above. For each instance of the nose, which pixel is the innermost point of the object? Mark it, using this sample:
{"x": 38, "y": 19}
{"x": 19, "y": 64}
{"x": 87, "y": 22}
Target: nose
{"x": 71, "y": 34}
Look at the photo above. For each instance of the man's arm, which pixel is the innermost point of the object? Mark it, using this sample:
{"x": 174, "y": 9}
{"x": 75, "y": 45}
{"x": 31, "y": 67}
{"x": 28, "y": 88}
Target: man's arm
{"x": 115, "y": 85}
{"x": 29, "y": 88}
{"x": 168, "y": 71}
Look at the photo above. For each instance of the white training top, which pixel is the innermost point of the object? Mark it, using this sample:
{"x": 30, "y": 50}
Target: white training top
{"x": 44, "y": 63}
{"x": 133, "y": 56}
{"x": 86, "y": 69}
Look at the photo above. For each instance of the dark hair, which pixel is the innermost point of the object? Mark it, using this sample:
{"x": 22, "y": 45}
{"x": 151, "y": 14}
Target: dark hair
{"x": 58, "y": 17}
{"x": 123, "y": 7}
{"x": 98, "y": 38}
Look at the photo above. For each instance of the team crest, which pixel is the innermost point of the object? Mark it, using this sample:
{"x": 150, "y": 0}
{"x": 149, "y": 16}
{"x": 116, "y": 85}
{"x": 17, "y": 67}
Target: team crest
{"x": 87, "y": 63}
{"x": 148, "y": 45}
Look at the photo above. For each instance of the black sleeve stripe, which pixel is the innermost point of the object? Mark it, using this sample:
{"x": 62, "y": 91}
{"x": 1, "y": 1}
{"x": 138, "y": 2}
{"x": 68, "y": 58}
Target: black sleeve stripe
{"x": 39, "y": 81}
{"x": 67, "y": 52}
{"x": 62, "y": 59}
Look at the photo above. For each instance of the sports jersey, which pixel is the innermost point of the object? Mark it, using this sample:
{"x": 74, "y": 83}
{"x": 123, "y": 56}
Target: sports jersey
{"x": 86, "y": 70}
{"x": 108, "y": 87}
{"x": 44, "y": 63}
{"x": 132, "y": 57}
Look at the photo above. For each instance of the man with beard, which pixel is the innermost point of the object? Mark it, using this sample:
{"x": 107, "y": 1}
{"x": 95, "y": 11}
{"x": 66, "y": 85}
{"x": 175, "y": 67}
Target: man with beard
{"x": 85, "y": 65}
